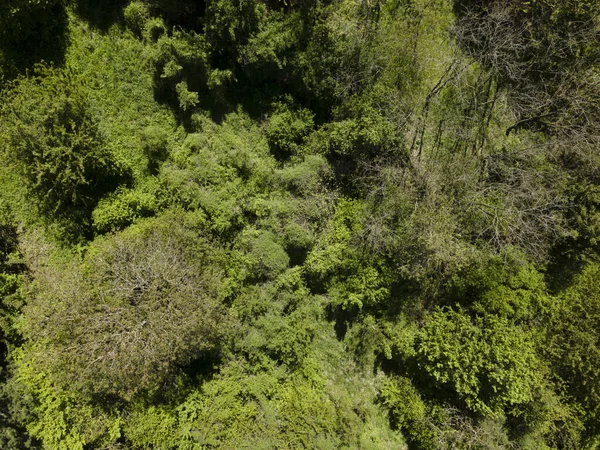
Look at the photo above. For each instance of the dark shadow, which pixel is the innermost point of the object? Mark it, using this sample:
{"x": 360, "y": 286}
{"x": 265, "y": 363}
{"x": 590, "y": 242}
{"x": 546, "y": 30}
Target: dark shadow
{"x": 259, "y": 86}
{"x": 195, "y": 75}
{"x": 101, "y": 14}
{"x": 203, "y": 368}
{"x": 174, "y": 389}
{"x": 297, "y": 254}
{"x": 192, "y": 375}
{"x": 254, "y": 88}
{"x": 187, "y": 14}
{"x": 154, "y": 166}
{"x": 72, "y": 223}
{"x": 345, "y": 169}
{"x": 342, "y": 318}
{"x": 566, "y": 262}
{"x": 14, "y": 434}
{"x": 404, "y": 299}
{"x": 463, "y": 7}
{"x": 42, "y": 37}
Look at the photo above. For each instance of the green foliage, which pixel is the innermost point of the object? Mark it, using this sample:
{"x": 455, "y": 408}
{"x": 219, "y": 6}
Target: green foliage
{"x": 404, "y": 401}
{"x": 287, "y": 128}
{"x": 508, "y": 289}
{"x": 264, "y": 257}
{"x": 332, "y": 251}
{"x": 409, "y": 412}
{"x": 8, "y": 233}
{"x": 136, "y": 15}
{"x": 572, "y": 346}
{"x": 119, "y": 75}
{"x": 154, "y": 29}
{"x": 219, "y": 170}
{"x": 187, "y": 99}
{"x": 231, "y": 23}
{"x": 182, "y": 68}
{"x": 309, "y": 224}
{"x": 12, "y": 275}
{"x": 247, "y": 408}
{"x": 358, "y": 138}
{"x": 491, "y": 364}
{"x": 582, "y": 240}
{"x": 155, "y": 143}
{"x": 124, "y": 206}
{"x": 63, "y": 422}
{"x": 281, "y": 319}
{"x": 308, "y": 176}
{"x": 52, "y": 139}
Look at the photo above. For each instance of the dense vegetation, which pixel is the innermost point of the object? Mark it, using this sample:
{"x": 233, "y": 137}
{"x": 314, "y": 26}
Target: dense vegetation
{"x": 299, "y": 224}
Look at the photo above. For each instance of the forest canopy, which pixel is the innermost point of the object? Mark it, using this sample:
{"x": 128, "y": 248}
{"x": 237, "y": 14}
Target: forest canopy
{"x": 242, "y": 224}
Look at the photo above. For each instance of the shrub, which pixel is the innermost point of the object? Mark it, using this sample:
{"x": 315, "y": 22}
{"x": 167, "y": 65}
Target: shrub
{"x": 308, "y": 177}
{"x": 123, "y": 207}
{"x": 154, "y": 29}
{"x": 181, "y": 68}
{"x": 136, "y": 14}
{"x": 286, "y": 129}
{"x": 143, "y": 303}
{"x": 53, "y": 140}
{"x": 489, "y": 363}
{"x": 155, "y": 142}
{"x": 265, "y": 257}
{"x": 573, "y": 346}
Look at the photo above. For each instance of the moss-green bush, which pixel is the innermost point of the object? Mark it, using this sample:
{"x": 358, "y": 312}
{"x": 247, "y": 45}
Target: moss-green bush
{"x": 143, "y": 303}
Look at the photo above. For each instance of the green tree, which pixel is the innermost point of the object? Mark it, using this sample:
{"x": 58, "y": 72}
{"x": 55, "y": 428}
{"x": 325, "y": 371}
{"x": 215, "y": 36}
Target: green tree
{"x": 12, "y": 270}
{"x": 490, "y": 364}
{"x": 572, "y": 347}
{"x": 51, "y": 137}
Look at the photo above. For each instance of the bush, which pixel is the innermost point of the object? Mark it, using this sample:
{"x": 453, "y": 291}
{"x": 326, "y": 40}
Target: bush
{"x": 265, "y": 257}
{"x": 136, "y": 14}
{"x": 308, "y": 177}
{"x": 181, "y": 68}
{"x": 573, "y": 346}
{"x": 53, "y": 140}
{"x": 123, "y": 207}
{"x": 143, "y": 303}
{"x": 286, "y": 129}
{"x": 155, "y": 143}
{"x": 8, "y": 233}
{"x": 490, "y": 364}
{"x": 154, "y": 29}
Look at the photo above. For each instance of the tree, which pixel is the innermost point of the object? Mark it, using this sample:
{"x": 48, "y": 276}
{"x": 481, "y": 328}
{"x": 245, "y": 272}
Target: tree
{"x": 50, "y": 136}
{"x": 144, "y": 302}
{"x": 545, "y": 52}
{"x": 572, "y": 347}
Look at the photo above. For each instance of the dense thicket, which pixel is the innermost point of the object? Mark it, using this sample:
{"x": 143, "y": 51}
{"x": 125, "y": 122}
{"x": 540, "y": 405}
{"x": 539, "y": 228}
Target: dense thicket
{"x": 299, "y": 224}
